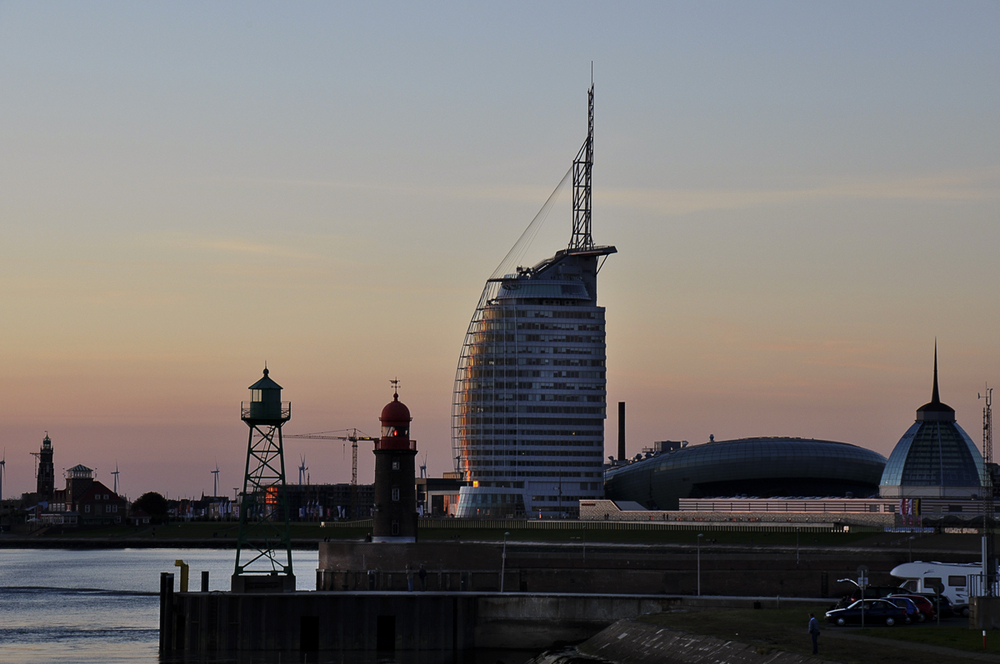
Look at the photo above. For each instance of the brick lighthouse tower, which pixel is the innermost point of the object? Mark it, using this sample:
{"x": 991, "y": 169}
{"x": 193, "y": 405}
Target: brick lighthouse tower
{"x": 395, "y": 480}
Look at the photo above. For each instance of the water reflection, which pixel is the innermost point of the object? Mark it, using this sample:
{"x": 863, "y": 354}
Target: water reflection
{"x": 102, "y": 607}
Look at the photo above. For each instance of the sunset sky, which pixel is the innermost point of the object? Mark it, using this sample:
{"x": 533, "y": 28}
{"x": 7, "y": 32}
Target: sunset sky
{"x": 803, "y": 197}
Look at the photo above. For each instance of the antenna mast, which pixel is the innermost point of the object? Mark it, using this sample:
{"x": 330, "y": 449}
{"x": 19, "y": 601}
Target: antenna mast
{"x": 989, "y": 546}
{"x": 582, "y": 167}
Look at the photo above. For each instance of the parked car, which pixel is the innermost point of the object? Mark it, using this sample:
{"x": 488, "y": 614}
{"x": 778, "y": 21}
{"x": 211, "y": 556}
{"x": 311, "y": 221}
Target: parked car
{"x": 875, "y": 611}
{"x": 941, "y": 604}
{"x": 912, "y": 612}
{"x": 924, "y": 605}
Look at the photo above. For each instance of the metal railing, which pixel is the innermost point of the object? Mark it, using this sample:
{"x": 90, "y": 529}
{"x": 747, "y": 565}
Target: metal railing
{"x": 612, "y": 526}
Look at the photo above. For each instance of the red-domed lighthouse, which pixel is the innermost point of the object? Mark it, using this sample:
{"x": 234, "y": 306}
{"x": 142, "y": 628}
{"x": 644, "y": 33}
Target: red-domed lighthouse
{"x": 395, "y": 517}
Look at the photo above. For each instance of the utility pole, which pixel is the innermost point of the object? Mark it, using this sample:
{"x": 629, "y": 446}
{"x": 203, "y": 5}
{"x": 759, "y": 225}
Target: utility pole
{"x": 988, "y": 545}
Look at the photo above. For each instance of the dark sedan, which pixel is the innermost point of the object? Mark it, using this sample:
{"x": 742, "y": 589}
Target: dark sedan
{"x": 875, "y": 611}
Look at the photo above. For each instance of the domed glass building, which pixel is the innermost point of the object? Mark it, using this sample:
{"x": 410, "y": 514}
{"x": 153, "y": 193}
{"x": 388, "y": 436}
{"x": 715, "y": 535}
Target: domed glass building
{"x": 935, "y": 458}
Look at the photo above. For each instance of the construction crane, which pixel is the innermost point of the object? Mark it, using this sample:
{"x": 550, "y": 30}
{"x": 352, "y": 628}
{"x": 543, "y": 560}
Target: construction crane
{"x": 353, "y": 437}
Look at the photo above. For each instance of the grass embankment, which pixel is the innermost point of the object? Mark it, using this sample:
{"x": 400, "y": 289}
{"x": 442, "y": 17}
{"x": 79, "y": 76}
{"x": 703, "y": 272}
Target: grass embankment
{"x": 785, "y": 629}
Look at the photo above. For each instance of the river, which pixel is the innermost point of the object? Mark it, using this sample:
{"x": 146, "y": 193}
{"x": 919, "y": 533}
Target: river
{"x": 102, "y": 606}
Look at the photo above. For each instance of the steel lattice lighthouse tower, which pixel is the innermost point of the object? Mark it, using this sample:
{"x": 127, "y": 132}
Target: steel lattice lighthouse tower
{"x": 395, "y": 518}
{"x": 264, "y": 546}
{"x": 530, "y": 395}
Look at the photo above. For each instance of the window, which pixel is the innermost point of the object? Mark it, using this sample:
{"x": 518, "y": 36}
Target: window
{"x": 956, "y": 581}
{"x": 395, "y": 527}
{"x": 395, "y": 465}
{"x": 395, "y": 494}
{"x": 86, "y": 508}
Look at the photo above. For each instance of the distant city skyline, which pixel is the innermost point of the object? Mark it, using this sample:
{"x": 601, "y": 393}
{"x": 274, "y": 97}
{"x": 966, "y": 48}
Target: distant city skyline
{"x": 803, "y": 197}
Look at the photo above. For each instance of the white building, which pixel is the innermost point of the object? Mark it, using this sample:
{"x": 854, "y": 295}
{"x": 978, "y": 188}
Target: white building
{"x": 531, "y": 389}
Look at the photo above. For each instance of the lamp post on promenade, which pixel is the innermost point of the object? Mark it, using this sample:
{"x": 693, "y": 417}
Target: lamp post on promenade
{"x": 860, "y": 583}
{"x": 700, "y": 535}
{"x": 503, "y": 560}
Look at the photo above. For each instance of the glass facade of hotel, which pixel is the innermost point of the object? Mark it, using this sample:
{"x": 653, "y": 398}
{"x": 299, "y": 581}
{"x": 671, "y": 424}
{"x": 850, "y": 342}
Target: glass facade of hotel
{"x": 531, "y": 391}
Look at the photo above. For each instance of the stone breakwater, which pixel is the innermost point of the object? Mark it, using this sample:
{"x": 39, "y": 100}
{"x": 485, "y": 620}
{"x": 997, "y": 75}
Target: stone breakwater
{"x": 633, "y": 642}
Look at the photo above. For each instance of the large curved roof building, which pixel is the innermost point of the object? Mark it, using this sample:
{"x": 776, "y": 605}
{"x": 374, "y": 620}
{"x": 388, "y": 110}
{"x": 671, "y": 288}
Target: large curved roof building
{"x": 530, "y": 390}
{"x": 935, "y": 458}
{"x": 758, "y": 467}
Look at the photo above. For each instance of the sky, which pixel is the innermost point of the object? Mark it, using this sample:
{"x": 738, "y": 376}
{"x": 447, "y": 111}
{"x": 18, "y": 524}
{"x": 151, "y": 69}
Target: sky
{"x": 804, "y": 196}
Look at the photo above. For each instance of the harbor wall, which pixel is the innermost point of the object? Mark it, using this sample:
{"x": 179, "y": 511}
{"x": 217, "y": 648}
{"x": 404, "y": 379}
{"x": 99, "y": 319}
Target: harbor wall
{"x": 386, "y": 621}
{"x": 537, "y": 568}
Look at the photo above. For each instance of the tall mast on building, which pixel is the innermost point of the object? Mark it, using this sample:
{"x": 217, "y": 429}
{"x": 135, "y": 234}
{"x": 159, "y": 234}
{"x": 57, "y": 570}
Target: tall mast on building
{"x": 583, "y": 166}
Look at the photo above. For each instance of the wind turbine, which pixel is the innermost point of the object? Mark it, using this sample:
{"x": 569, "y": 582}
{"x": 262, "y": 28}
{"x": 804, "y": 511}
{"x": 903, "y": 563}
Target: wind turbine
{"x": 115, "y": 473}
{"x": 215, "y": 490}
{"x": 302, "y": 470}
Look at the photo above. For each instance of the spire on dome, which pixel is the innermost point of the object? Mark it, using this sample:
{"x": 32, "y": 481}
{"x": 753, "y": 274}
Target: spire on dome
{"x": 934, "y": 409}
{"x": 935, "y": 396}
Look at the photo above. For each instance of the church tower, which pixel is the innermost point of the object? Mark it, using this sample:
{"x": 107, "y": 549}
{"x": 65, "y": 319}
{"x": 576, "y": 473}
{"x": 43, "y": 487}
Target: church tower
{"x": 46, "y": 471}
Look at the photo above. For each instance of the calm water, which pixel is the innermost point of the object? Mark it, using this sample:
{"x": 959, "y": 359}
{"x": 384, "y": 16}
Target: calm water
{"x": 90, "y": 607}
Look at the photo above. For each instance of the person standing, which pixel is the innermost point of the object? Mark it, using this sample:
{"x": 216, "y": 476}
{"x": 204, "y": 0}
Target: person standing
{"x": 814, "y": 632}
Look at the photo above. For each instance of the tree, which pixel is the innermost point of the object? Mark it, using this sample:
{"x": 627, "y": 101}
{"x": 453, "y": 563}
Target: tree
{"x": 152, "y": 504}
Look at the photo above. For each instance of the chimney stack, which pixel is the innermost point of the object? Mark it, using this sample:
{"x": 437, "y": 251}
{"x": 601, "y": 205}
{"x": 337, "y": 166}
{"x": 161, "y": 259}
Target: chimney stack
{"x": 621, "y": 430}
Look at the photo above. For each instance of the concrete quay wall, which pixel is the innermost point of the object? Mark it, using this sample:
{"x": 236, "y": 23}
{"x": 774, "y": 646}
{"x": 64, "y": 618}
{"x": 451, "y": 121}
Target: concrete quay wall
{"x": 387, "y": 621}
{"x": 669, "y": 570}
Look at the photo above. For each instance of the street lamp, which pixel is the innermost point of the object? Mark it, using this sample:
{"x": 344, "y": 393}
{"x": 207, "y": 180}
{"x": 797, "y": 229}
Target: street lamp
{"x": 700, "y": 535}
{"x": 503, "y": 560}
{"x": 862, "y": 589}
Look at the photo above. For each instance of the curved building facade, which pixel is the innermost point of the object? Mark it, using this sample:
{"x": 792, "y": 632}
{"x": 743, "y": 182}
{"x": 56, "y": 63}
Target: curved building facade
{"x": 935, "y": 458}
{"x": 530, "y": 395}
{"x": 758, "y": 467}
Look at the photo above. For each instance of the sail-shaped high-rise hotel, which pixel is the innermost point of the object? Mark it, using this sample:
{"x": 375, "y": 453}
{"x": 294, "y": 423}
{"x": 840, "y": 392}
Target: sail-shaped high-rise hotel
{"x": 531, "y": 387}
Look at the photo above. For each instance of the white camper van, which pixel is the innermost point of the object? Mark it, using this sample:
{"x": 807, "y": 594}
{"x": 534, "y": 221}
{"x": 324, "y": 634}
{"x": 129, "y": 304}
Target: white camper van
{"x": 953, "y": 579}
